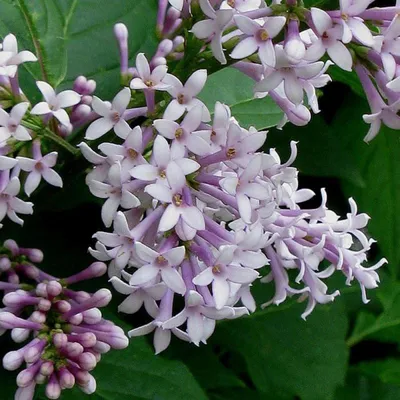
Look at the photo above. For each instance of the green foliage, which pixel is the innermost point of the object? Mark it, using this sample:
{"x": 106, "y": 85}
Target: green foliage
{"x": 231, "y": 87}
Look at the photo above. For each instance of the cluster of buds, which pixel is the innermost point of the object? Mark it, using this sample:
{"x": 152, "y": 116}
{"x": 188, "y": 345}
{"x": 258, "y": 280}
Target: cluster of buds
{"x": 282, "y": 46}
{"x": 25, "y": 130}
{"x": 198, "y": 213}
{"x": 64, "y": 329}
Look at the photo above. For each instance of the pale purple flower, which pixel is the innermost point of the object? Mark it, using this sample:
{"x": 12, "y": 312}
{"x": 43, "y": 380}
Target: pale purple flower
{"x": 352, "y": 24}
{"x": 149, "y": 80}
{"x": 184, "y": 96}
{"x": 111, "y": 116}
{"x": 163, "y": 264}
{"x": 10, "y": 204}
{"x": 121, "y": 241}
{"x": 388, "y": 45}
{"x": 241, "y": 5}
{"x": 130, "y": 152}
{"x": 39, "y": 167}
{"x": 162, "y": 156}
{"x": 178, "y": 4}
{"x": 183, "y": 134}
{"x": 245, "y": 189}
{"x": 218, "y": 131}
{"x": 116, "y": 192}
{"x": 144, "y": 295}
{"x": 213, "y": 27}
{"x": 55, "y": 103}
{"x": 13, "y": 57}
{"x": 223, "y": 272}
{"x": 176, "y": 199}
{"x": 258, "y": 38}
{"x": 329, "y": 41}
{"x": 296, "y": 79}
{"x": 11, "y": 124}
{"x": 195, "y": 314}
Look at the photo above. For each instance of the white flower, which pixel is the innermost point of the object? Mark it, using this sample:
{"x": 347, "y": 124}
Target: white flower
{"x": 116, "y": 192}
{"x": 329, "y": 41}
{"x": 55, "y": 103}
{"x": 13, "y": 58}
{"x": 111, "y": 116}
{"x": 149, "y": 80}
{"x": 223, "y": 272}
{"x": 259, "y": 38}
{"x": 162, "y": 264}
{"x": 10, "y": 205}
{"x": 213, "y": 27}
{"x": 11, "y": 124}
{"x": 184, "y": 96}
{"x": 40, "y": 168}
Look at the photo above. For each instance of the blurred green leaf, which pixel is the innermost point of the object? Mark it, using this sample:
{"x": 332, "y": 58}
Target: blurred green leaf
{"x": 385, "y": 326}
{"x": 231, "y": 87}
{"x": 74, "y": 37}
{"x": 288, "y": 356}
{"x": 361, "y": 386}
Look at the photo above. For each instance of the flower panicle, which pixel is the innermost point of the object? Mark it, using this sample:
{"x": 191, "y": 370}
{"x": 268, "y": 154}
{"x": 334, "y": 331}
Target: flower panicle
{"x": 199, "y": 214}
{"x": 64, "y": 331}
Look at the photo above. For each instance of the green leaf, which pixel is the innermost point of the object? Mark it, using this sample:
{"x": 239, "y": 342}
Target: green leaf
{"x": 233, "y": 88}
{"x": 206, "y": 366}
{"x": 388, "y": 370}
{"x": 363, "y": 386}
{"x": 72, "y": 37}
{"x": 288, "y": 356}
{"x": 385, "y": 326}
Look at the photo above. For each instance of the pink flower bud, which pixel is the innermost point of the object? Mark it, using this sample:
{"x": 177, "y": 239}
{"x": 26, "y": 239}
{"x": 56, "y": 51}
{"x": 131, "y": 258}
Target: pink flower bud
{"x": 19, "y": 335}
{"x": 66, "y": 379}
{"x": 5, "y": 264}
{"x": 90, "y": 387}
{"x": 87, "y": 361}
{"x": 47, "y": 368}
{"x": 60, "y": 340}
{"x": 13, "y": 360}
{"x": 92, "y": 316}
{"x": 26, "y": 376}
{"x": 54, "y": 288}
{"x": 53, "y": 389}
{"x": 12, "y": 246}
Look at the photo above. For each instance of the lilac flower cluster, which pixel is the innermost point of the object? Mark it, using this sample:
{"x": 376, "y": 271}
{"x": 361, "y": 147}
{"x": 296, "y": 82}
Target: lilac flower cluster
{"x": 26, "y": 131}
{"x": 282, "y": 47}
{"x": 65, "y": 330}
{"x": 199, "y": 213}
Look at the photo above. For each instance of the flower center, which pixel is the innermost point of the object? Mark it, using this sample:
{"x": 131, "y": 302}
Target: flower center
{"x": 263, "y": 35}
{"x": 149, "y": 83}
{"x": 231, "y": 3}
{"x": 161, "y": 260}
{"x": 12, "y": 127}
{"x": 231, "y": 152}
{"x": 178, "y": 133}
{"x": 345, "y": 17}
{"x": 181, "y": 98}
{"x": 216, "y": 269}
{"x": 325, "y": 35}
{"x": 162, "y": 174}
{"x": 115, "y": 116}
{"x": 177, "y": 199}
{"x": 39, "y": 166}
{"x": 132, "y": 153}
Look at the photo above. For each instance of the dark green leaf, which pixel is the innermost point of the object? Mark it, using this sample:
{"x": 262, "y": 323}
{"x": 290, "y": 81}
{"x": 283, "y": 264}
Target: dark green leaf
{"x": 231, "y": 87}
{"x": 288, "y": 356}
{"x": 72, "y": 37}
